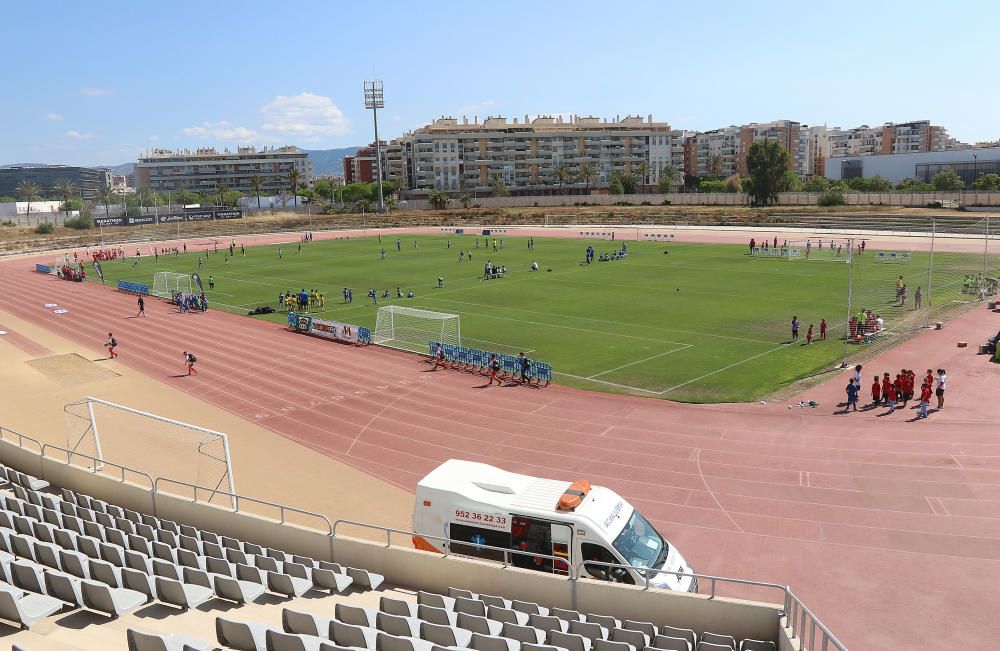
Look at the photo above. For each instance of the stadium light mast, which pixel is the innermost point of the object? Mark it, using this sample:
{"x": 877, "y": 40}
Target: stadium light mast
{"x": 374, "y": 100}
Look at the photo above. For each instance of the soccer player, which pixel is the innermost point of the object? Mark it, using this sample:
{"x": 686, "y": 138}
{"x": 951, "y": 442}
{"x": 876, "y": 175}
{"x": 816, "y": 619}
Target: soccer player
{"x": 142, "y": 306}
{"x": 111, "y": 345}
{"x": 525, "y": 365}
{"x": 891, "y": 397}
{"x": 279, "y": 253}
{"x": 925, "y": 399}
{"x": 211, "y": 282}
{"x": 199, "y": 262}
{"x": 917, "y": 296}
{"x": 189, "y": 361}
{"x": 939, "y": 392}
{"x": 852, "y": 396}
{"x": 399, "y": 245}
{"x": 383, "y": 254}
{"x": 438, "y": 357}
{"x": 322, "y": 302}
{"x": 795, "y": 328}
{"x": 886, "y": 383}
{"x": 494, "y": 369}
{"x": 876, "y": 392}
{"x": 822, "y": 330}
{"x": 809, "y": 335}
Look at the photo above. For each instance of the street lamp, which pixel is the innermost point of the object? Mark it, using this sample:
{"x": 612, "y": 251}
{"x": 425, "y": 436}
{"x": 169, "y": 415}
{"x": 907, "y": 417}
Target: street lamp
{"x": 374, "y": 100}
{"x": 975, "y": 167}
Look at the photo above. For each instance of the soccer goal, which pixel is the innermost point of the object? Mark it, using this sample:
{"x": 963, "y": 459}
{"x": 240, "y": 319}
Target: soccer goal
{"x": 818, "y": 250}
{"x": 167, "y": 283}
{"x": 105, "y": 437}
{"x": 411, "y": 329}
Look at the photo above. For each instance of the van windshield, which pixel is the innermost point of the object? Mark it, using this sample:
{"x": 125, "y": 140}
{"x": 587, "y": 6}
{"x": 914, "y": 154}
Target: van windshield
{"x": 640, "y": 544}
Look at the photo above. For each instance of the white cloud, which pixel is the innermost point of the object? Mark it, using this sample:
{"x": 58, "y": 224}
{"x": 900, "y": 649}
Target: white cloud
{"x": 76, "y": 135}
{"x": 304, "y": 116}
{"x": 221, "y": 130}
{"x": 54, "y": 116}
{"x": 92, "y": 91}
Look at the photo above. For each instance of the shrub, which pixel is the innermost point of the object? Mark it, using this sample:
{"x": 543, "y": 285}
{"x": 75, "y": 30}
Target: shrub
{"x": 8, "y": 223}
{"x": 81, "y": 223}
{"x": 831, "y": 198}
{"x": 45, "y": 228}
{"x": 933, "y": 204}
{"x": 665, "y": 202}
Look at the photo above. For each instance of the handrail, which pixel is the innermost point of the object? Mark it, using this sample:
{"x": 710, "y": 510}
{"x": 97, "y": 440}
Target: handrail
{"x": 96, "y": 465}
{"x": 236, "y": 499}
{"x": 798, "y": 614}
{"x": 21, "y": 438}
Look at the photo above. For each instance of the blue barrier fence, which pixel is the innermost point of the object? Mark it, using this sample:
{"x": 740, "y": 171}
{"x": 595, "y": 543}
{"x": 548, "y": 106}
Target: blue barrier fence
{"x": 133, "y": 288}
{"x": 476, "y": 358}
{"x": 44, "y": 268}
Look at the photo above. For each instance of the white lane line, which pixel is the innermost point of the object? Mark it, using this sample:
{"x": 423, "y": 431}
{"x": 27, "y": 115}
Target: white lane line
{"x": 640, "y": 361}
{"x": 613, "y": 384}
{"x": 724, "y": 368}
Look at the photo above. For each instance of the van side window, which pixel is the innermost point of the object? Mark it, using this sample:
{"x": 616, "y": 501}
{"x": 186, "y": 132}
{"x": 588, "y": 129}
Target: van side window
{"x": 476, "y": 537}
{"x": 595, "y": 552}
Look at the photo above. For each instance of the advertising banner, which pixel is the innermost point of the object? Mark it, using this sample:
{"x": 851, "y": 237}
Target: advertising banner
{"x": 197, "y": 281}
{"x": 104, "y": 222}
{"x": 173, "y": 218}
{"x": 199, "y": 216}
{"x": 140, "y": 220}
{"x": 334, "y": 330}
{"x": 229, "y": 214}
{"x": 97, "y": 268}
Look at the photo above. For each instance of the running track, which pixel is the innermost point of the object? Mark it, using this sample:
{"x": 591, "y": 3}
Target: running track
{"x": 889, "y": 532}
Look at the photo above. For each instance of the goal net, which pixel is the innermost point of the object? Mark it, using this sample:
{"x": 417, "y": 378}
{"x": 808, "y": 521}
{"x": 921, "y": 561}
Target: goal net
{"x": 411, "y": 329}
{"x": 819, "y": 249}
{"x": 103, "y": 437}
{"x": 167, "y": 283}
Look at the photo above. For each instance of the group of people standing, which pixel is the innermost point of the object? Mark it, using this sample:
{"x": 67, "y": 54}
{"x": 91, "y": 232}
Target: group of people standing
{"x": 895, "y": 394}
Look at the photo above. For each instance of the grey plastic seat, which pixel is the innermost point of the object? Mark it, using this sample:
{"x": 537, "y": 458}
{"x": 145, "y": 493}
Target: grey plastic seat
{"x": 140, "y": 582}
{"x": 566, "y": 615}
{"x": 387, "y": 642}
{"x": 27, "y": 576}
{"x": 63, "y": 587}
{"x": 721, "y": 640}
{"x": 608, "y": 645}
{"x": 637, "y": 639}
{"x": 248, "y": 573}
{"x": 137, "y": 561}
{"x": 267, "y": 563}
{"x": 470, "y": 606}
{"x": 242, "y": 636}
{"x": 666, "y": 638}
{"x": 709, "y": 646}
{"x": 184, "y": 595}
{"x": 293, "y": 621}
{"x": 670, "y": 644}
{"x": 219, "y": 566}
{"x": 75, "y": 563}
{"x": 66, "y": 538}
{"x": 20, "y": 545}
{"x": 461, "y": 592}
{"x": 364, "y": 578}
{"x": 281, "y": 641}
{"x": 237, "y": 556}
{"x": 445, "y": 635}
{"x": 240, "y": 592}
{"x": 495, "y": 601}
{"x": 436, "y": 615}
{"x": 139, "y": 544}
{"x": 396, "y": 625}
{"x": 435, "y": 600}
{"x": 105, "y": 572}
{"x": 506, "y": 615}
{"x": 493, "y": 643}
{"x": 528, "y": 607}
{"x": 28, "y": 609}
{"x": 190, "y": 559}
{"x": 88, "y": 545}
{"x": 116, "y": 537}
{"x": 362, "y": 637}
{"x": 646, "y": 627}
{"x": 539, "y": 647}
{"x": 164, "y": 552}
{"x": 355, "y": 615}
{"x": 590, "y": 630}
{"x": 47, "y": 554}
{"x": 479, "y": 625}
{"x": 166, "y": 568}
{"x": 756, "y": 645}
{"x": 399, "y": 607}
{"x": 289, "y": 586}
{"x": 607, "y": 621}
{"x": 524, "y": 634}
{"x": 142, "y": 641}
{"x": 568, "y": 641}
{"x": 112, "y": 554}
{"x": 43, "y": 531}
{"x": 114, "y": 602}
{"x": 548, "y": 623}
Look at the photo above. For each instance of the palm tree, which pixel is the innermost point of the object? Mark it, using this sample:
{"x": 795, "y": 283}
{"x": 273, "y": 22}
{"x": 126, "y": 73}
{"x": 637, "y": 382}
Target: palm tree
{"x": 221, "y": 189}
{"x": 294, "y": 178}
{"x": 587, "y": 173}
{"x": 466, "y": 200}
{"x": 715, "y": 165}
{"x": 499, "y": 189}
{"x": 105, "y": 196}
{"x": 643, "y": 173}
{"x": 257, "y": 183}
{"x": 668, "y": 178}
{"x": 363, "y": 204}
{"x": 563, "y": 175}
{"x": 390, "y": 202}
{"x": 66, "y": 190}
{"x": 438, "y": 199}
{"x": 29, "y": 191}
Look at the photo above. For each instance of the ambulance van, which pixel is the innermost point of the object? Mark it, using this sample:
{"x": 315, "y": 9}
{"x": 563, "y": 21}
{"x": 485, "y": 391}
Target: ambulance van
{"x": 483, "y": 506}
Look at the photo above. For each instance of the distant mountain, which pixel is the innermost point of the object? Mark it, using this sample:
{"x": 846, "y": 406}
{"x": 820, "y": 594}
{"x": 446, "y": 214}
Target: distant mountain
{"x": 123, "y": 170}
{"x": 3, "y": 167}
{"x": 329, "y": 161}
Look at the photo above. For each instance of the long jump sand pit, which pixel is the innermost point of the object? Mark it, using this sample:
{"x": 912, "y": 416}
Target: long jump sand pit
{"x": 71, "y": 369}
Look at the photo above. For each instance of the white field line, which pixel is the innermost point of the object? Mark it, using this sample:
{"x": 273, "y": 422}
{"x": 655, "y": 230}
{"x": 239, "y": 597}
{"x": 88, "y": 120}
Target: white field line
{"x": 724, "y": 368}
{"x": 497, "y": 343}
{"x": 613, "y": 384}
{"x": 640, "y": 361}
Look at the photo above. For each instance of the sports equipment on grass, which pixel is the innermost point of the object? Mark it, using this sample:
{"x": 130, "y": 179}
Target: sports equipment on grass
{"x": 112, "y": 439}
{"x": 166, "y": 283}
{"x": 410, "y": 329}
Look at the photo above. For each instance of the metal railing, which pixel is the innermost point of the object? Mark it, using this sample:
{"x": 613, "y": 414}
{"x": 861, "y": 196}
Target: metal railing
{"x": 236, "y": 500}
{"x": 97, "y": 466}
{"x": 18, "y": 439}
{"x": 800, "y": 618}
{"x": 649, "y": 572}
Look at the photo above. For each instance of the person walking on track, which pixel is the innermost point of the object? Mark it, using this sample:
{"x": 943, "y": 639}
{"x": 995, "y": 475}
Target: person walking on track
{"x": 142, "y": 307}
{"x": 494, "y": 369}
{"x": 111, "y": 344}
{"x": 190, "y": 360}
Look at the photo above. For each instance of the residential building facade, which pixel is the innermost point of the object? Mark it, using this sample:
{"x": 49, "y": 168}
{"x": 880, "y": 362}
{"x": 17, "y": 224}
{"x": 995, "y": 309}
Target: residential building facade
{"x": 205, "y": 169}
{"x": 88, "y": 181}
{"x": 360, "y": 168}
{"x": 891, "y": 138}
{"x": 922, "y": 166}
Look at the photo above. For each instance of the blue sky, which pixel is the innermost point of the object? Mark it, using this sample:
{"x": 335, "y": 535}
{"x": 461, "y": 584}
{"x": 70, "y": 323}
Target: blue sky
{"x": 101, "y": 81}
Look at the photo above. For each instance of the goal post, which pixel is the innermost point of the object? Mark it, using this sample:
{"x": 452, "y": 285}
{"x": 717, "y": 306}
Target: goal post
{"x": 817, "y": 250}
{"x": 166, "y": 283}
{"x": 98, "y": 431}
{"x": 411, "y": 329}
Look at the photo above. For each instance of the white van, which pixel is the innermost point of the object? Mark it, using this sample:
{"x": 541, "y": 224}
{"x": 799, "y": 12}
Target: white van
{"x": 487, "y": 506}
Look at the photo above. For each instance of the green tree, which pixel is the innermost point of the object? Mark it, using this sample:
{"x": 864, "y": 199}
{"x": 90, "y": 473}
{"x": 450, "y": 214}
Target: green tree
{"x": 831, "y": 197}
{"x": 879, "y": 183}
{"x": 465, "y": 200}
{"x": 715, "y": 165}
{"x": 615, "y": 186}
{"x": 499, "y": 189}
{"x": 29, "y": 191}
{"x": 910, "y": 184}
{"x": 294, "y": 178}
{"x": 106, "y": 196}
{"x": 987, "y": 182}
{"x": 67, "y": 191}
{"x": 767, "y": 162}
{"x": 668, "y": 178}
{"x": 587, "y": 173}
{"x": 792, "y": 182}
{"x": 363, "y": 204}
{"x": 947, "y": 181}
{"x": 643, "y": 173}
{"x": 627, "y": 182}
{"x": 257, "y": 183}
{"x": 390, "y": 202}
{"x": 734, "y": 183}
{"x": 711, "y": 185}
{"x": 439, "y": 200}
{"x": 353, "y": 192}
{"x": 563, "y": 175}
{"x": 817, "y": 184}
{"x": 220, "y": 193}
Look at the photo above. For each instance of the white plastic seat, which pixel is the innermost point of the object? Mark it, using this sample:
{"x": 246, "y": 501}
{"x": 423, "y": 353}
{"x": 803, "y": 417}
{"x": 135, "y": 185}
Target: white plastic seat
{"x": 64, "y": 587}
{"x": 235, "y": 590}
{"x": 293, "y": 621}
{"x": 445, "y": 635}
{"x": 289, "y": 586}
{"x": 136, "y": 580}
{"x": 184, "y": 595}
{"x": 365, "y": 579}
{"x": 241, "y": 636}
{"x": 114, "y": 602}
{"x": 756, "y": 645}
{"x": 74, "y": 563}
{"x": 27, "y": 576}
{"x": 28, "y": 609}
{"x": 721, "y": 640}
{"x": 142, "y": 641}
{"x": 281, "y": 641}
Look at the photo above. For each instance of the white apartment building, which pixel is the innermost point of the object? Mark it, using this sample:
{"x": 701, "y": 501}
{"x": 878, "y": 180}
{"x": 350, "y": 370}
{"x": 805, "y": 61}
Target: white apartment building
{"x": 890, "y": 138}
{"x": 204, "y": 169}
{"x": 527, "y": 155}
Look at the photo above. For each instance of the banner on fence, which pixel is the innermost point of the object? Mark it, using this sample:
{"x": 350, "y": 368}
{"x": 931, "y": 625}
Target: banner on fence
{"x": 133, "y": 288}
{"x": 334, "y": 330}
{"x": 509, "y": 364}
{"x": 172, "y": 218}
{"x": 44, "y": 268}
{"x": 97, "y": 268}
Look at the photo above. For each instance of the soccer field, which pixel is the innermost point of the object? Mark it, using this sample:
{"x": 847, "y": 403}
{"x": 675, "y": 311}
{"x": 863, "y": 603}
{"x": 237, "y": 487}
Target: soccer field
{"x": 703, "y": 323}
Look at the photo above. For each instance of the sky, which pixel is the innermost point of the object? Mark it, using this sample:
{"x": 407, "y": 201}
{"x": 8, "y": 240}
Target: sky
{"x": 100, "y": 82}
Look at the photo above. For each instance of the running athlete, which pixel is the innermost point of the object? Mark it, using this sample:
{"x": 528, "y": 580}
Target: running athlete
{"x": 494, "y": 369}
{"x": 111, "y": 345}
{"x": 189, "y": 360}
{"x": 142, "y": 307}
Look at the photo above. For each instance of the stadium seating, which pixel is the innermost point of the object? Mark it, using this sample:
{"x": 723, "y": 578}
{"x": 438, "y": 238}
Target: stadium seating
{"x": 71, "y": 551}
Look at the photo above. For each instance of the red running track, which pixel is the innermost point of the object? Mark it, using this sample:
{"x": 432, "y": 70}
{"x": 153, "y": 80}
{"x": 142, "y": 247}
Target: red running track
{"x": 889, "y": 531}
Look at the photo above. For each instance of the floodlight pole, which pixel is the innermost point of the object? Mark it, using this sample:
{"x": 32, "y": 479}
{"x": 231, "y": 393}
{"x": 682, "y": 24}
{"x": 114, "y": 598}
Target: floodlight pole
{"x": 930, "y": 273}
{"x": 986, "y": 254}
{"x": 374, "y": 100}
{"x": 850, "y": 295}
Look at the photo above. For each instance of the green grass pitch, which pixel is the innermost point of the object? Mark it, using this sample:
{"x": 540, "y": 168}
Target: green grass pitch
{"x": 704, "y": 323}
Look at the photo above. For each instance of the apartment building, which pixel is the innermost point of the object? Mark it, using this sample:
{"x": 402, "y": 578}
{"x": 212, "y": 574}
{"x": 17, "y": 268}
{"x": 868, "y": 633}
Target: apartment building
{"x": 723, "y": 152}
{"x": 529, "y": 155}
{"x": 360, "y": 168}
{"x": 88, "y": 181}
{"x": 891, "y": 138}
{"x": 204, "y": 169}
